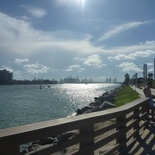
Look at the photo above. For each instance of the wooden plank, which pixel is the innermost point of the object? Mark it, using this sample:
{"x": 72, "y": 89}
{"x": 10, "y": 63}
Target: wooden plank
{"x": 27, "y": 133}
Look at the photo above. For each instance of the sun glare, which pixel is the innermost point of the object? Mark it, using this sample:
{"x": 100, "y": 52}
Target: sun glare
{"x": 81, "y": 3}
{"x": 77, "y": 3}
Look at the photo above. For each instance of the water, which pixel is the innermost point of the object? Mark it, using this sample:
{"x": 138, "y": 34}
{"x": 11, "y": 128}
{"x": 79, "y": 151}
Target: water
{"x": 25, "y": 104}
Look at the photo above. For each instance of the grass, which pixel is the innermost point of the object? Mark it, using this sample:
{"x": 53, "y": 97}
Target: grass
{"x": 125, "y": 95}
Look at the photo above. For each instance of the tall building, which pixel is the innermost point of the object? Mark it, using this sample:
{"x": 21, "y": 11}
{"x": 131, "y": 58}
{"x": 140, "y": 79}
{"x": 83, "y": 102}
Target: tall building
{"x": 114, "y": 80}
{"x": 154, "y": 68}
{"x": 145, "y": 74}
{"x": 109, "y": 80}
{"x": 6, "y": 77}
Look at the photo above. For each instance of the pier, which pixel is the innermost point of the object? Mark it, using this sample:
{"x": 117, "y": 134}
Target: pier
{"x": 117, "y": 131}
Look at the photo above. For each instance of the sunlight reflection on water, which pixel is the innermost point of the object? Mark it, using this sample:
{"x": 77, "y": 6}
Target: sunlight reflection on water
{"x": 28, "y": 104}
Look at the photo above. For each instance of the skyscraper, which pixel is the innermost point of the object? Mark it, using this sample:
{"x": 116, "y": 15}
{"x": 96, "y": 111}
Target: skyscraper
{"x": 154, "y": 68}
{"x": 145, "y": 73}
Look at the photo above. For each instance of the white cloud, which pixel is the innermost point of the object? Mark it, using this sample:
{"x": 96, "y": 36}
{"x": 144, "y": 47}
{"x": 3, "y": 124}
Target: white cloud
{"x": 151, "y": 70}
{"x": 18, "y": 36}
{"x": 7, "y": 68}
{"x": 129, "y": 66}
{"x": 150, "y": 67}
{"x": 21, "y": 61}
{"x": 17, "y": 74}
{"x": 74, "y": 67}
{"x": 119, "y": 29}
{"x": 35, "y": 12}
{"x": 78, "y": 58}
{"x": 36, "y": 68}
{"x": 121, "y": 57}
{"x": 150, "y": 64}
{"x": 143, "y": 54}
{"x": 147, "y": 46}
{"x": 94, "y": 60}
{"x": 133, "y": 56}
{"x": 133, "y": 48}
{"x": 150, "y": 42}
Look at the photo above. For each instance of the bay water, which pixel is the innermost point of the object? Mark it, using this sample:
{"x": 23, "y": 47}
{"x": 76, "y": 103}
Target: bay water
{"x": 26, "y": 104}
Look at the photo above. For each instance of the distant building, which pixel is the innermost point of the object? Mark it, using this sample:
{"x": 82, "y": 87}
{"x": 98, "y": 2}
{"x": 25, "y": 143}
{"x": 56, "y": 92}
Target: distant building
{"x": 6, "y": 77}
{"x": 109, "y": 80}
{"x": 154, "y": 68}
{"x": 145, "y": 74}
{"x": 114, "y": 80}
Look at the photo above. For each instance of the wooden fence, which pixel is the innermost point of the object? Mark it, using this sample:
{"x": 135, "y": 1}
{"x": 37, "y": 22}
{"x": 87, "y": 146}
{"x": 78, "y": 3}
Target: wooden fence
{"x": 106, "y": 132}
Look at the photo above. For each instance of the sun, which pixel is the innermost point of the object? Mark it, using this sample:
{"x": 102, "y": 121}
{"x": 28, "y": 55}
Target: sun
{"x": 81, "y": 3}
{"x": 77, "y": 3}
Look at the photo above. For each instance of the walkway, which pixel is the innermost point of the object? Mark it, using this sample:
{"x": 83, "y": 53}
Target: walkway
{"x": 145, "y": 144}
{"x": 140, "y": 91}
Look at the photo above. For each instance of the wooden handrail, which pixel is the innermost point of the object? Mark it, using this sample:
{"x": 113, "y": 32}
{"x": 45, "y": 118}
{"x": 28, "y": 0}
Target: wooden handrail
{"x": 123, "y": 119}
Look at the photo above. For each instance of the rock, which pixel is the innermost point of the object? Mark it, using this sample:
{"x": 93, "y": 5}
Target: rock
{"x": 23, "y": 152}
{"x": 33, "y": 147}
{"x": 97, "y": 108}
{"x": 106, "y": 105}
{"x": 100, "y": 103}
{"x": 47, "y": 140}
{"x": 36, "y": 142}
{"x": 63, "y": 137}
{"x": 83, "y": 110}
{"x": 95, "y": 103}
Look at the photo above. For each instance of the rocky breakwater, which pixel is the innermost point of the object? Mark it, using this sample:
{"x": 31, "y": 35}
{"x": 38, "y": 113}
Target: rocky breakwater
{"x": 105, "y": 101}
{"x": 46, "y": 142}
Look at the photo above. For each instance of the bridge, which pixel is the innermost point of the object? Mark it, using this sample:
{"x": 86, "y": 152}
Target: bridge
{"x": 117, "y": 131}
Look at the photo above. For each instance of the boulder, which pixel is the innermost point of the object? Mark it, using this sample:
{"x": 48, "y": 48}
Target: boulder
{"x": 95, "y": 103}
{"x": 47, "y": 140}
{"x": 106, "y": 105}
{"x": 83, "y": 110}
{"x": 63, "y": 137}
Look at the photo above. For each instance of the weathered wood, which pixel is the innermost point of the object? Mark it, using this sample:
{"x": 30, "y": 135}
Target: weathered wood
{"x": 136, "y": 126}
{"x": 122, "y": 136}
{"x": 87, "y": 142}
{"x": 137, "y": 110}
{"x": 9, "y": 147}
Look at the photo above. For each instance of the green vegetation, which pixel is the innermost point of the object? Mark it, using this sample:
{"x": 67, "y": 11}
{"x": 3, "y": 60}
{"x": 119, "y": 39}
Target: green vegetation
{"x": 125, "y": 95}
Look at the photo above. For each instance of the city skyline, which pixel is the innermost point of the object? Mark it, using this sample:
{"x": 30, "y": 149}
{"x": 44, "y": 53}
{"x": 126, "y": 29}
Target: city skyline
{"x": 85, "y": 38}
{"x": 6, "y": 77}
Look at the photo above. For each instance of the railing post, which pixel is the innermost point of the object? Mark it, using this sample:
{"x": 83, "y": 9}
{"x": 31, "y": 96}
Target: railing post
{"x": 120, "y": 140}
{"x": 86, "y": 131}
{"x": 9, "y": 148}
{"x": 136, "y": 127}
{"x": 146, "y": 109}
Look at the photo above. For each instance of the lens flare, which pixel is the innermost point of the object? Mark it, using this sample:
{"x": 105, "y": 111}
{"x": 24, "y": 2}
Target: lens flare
{"x": 81, "y": 3}
{"x": 77, "y": 3}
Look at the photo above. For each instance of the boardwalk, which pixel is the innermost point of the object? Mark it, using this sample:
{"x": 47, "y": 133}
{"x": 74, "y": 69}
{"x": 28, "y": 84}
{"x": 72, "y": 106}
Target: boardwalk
{"x": 127, "y": 133}
{"x": 145, "y": 144}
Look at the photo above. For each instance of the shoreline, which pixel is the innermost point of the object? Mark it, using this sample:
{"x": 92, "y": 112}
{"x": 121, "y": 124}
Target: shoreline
{"x": 51, "y": 141}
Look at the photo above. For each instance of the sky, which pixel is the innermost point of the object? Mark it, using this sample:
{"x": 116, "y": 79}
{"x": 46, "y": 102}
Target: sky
{"x": 94, "y": 39}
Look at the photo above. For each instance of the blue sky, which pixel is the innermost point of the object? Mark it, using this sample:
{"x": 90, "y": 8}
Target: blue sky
{"x": 96, "y": 39}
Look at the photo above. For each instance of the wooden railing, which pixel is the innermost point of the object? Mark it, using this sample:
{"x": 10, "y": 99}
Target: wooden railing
{"x": 94, "y": 135}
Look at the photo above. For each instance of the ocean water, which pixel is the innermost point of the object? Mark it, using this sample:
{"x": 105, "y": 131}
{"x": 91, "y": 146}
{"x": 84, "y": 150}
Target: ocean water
{"x": 25, "y": 104}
